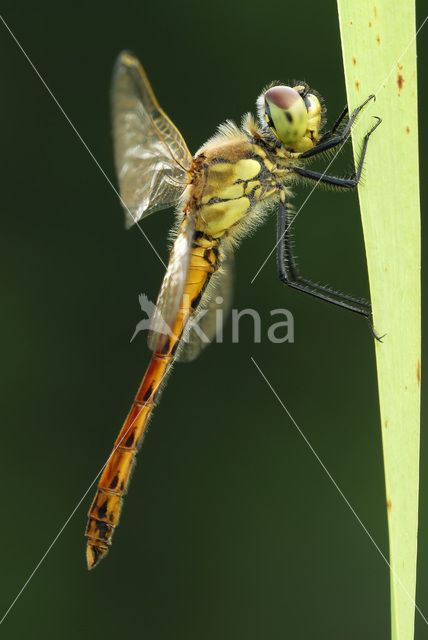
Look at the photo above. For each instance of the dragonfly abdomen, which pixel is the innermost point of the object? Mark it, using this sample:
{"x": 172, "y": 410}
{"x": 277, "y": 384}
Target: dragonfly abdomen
{"x": 105, "y": 510}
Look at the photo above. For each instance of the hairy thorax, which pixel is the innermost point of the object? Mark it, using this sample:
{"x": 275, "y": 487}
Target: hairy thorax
{"x": 232, "y": 178}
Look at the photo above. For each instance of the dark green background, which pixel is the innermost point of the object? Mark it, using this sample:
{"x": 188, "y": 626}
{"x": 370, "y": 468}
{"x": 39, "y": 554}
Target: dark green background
{"x": 231, "y": 528}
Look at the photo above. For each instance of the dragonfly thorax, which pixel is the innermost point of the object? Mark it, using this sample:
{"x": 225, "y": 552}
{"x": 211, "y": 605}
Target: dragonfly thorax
{"x": 236, "y": 175}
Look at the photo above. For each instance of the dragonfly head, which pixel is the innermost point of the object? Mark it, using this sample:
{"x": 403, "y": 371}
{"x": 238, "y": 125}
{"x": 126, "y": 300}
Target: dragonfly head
{"x": 292, "y": 115}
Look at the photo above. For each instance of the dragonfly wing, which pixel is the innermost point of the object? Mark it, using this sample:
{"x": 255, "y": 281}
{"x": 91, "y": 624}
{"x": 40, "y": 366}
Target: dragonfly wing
{"x": 152, "y": 160}
{"x": 171, "y": 292}
{"x": 207, "y": 320}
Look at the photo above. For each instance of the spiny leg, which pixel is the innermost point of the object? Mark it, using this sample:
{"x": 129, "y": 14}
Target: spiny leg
{"x": 346, "y": 183}
{"x": 290, "y": 262}
{"x": 324, "y": 145}
{"x": 293, "y": 280}
{"x": 327, "y": 135}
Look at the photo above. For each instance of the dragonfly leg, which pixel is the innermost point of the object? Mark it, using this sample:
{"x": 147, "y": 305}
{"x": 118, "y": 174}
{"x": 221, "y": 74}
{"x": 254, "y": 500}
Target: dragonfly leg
{"x": 327, "y": 135}
{"x": 288, "y": 273}
{"x": 346, "y": 183}
{"x": 324, "y": 145}
{"x": 294, "y": 275}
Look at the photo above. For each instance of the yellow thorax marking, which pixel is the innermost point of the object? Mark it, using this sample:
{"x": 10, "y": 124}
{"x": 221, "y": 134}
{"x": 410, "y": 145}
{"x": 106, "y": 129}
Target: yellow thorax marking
{"x": 228, "y": 192}
{"x": 250, "y": 186}
{"x": 220, "y": 216}
{"x": 222, "y": 178}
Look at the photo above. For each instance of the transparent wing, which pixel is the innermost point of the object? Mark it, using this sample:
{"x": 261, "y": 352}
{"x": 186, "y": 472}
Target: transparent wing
{"x": 152, "y": 160}
{"x": 207, "y": 320}
{"x": 171, "y": 292}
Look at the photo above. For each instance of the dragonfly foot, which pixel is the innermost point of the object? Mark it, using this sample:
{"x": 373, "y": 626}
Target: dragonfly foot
{"x": 372, "y": 329}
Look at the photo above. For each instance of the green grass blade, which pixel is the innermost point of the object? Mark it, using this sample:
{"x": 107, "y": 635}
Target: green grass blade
{"x": 379, "y": 53}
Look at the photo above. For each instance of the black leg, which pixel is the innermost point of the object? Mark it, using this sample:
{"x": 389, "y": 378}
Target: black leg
{"x": 294, "y": 275}
{"x": 293, "y": 280}
{"x": 327, "y": 135}
{"x": 333, "y": 142}
{"x": 346, "y": 183}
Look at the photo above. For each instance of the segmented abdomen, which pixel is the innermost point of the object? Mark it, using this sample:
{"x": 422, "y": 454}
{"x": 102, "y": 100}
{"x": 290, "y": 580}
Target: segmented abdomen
{"x": 105, "y": 509}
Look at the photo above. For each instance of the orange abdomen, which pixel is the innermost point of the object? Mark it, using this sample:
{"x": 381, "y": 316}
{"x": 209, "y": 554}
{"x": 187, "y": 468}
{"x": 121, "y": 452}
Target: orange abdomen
{"x": 105, "y": 509}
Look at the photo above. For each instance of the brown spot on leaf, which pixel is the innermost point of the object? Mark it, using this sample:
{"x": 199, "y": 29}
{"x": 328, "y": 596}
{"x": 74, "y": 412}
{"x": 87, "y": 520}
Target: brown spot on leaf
{"x": 354, "y": 61}
{"x": 389, "y": 505}
{"x": 400, "y": 82}
{"x": 350, "y": 22}
{"x": 418, "y": 373}
{"x": 357, "y": 85}
{"x": 375, "y": 12}
{"x": 370, "y": 24}
{"x": 407, "y": 129}
{"x": 400, "y": 66}
{"x": 386, "y": 423}
{"x": 378, "y": 38}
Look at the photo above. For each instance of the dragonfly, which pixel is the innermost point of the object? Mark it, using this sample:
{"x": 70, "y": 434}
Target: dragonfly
{"x": 220, "y": 194}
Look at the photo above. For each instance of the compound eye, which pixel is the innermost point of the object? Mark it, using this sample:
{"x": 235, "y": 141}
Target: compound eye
{"x": 286, "y": 114}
